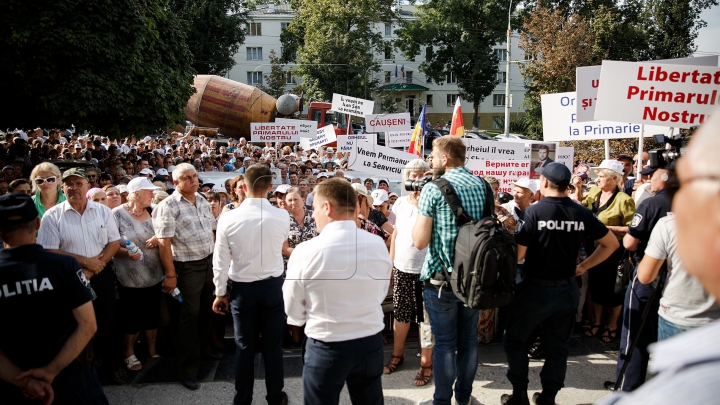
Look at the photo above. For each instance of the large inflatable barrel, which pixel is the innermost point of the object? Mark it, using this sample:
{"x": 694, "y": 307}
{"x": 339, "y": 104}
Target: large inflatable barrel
{"x": 228, "y": 105}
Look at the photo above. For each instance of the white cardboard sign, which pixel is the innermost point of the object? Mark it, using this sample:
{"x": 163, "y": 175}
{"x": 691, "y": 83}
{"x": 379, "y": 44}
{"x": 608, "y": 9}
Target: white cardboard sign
{"x": 480, "y": 150}
{"x": 324, "y": 136}
{"x": 588, "y": 81}
{"x": 345, "y": 142}
{"x": 400, "y": 139}
{"x": 667, "y": 95}
{"x": 306, "y": 128}
{"x": 506, "y": 171}
{"x": 566, "y": 156}
{"x": 560, "y": 122}
{"x": 352, "y": 105}
{"x": 380, "y": 160}
{"x": 274, "y": 132}
{"x": 387, "y": 122}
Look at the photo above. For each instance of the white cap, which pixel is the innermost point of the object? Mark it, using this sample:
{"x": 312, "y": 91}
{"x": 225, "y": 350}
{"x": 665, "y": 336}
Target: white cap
{"x": 329, "y": 150}
{"x": 360, "y": 189}
{"x": 78, "y": 146}
{"x": 162, "y": 172}
{"x": 525, "y": 182}
{"x": 134, "y": 147}
{"x": 379, "y": 196}
{"x": 146, "y": 171}
{"x": 283, "y": 188}
{"x": 140, "y": 183}
{"x": 323, "y": 174}
{"x": 247, "y": 158}
{"x": 122, "y": 188}
{"x": 147, "y": 138}
{"x": 613, "y": 165}
{"x": 384, "y": 179}
{"x": 169, "y": 169}
{"x": 219, "y": 189}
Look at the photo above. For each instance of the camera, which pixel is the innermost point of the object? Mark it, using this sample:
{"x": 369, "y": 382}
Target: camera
{"x": 504, "y": 197}
{"x": 674, "y": 148}
{"x": 417, "y": 185}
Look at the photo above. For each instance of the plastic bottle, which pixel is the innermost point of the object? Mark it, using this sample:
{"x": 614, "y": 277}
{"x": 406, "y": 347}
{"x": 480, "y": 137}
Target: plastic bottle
{"x": 175, "y": 293}
{"x": 132, "y": 248}
{"x": 583, "y": 255}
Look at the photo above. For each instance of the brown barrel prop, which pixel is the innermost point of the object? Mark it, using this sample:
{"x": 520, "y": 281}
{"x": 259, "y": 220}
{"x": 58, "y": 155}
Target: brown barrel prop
{"x": 228, "y": 105}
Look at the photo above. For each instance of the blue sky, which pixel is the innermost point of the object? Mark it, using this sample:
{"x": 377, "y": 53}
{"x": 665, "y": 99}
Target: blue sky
{"x": 708, "y": 40}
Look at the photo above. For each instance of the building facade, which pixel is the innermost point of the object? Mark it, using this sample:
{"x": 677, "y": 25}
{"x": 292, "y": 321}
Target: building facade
{"x": 398, "y": 77}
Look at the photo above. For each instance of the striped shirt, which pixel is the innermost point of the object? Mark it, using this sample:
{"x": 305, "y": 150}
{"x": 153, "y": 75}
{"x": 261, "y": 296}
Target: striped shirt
{"x": 63, "y": 228}
{"x": 189, "y": 225}
{"x": 471, "y": 191}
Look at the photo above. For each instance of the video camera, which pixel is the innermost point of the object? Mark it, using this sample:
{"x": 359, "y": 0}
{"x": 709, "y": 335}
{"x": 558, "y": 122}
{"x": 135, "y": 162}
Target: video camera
{"x": 674, "y": 148}
{"x": 417, "y": 185}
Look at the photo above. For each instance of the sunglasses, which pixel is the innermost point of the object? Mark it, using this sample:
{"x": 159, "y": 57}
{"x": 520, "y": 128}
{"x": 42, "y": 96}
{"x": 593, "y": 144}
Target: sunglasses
{"x": 50, "y": 180}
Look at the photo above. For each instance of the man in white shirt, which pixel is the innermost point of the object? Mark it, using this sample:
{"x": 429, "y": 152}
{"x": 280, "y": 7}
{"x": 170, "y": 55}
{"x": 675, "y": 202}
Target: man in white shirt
{"x": 335, "y": 285}
{"x": 248, "y": 251}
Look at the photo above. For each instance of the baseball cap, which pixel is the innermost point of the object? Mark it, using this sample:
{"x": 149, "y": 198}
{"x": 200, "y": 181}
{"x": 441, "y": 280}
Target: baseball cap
{"x": 283, "y": 188}
{"x": 17, "y": 209}
{"x": 613, "y": 165}
{"x": 74, "y": 171}
{"x": 379, "y": 196}
{"x": 648, "y": 170}
{"x": 140, "y": 183}
{"x": 625, "y": 156}
{"x": 122, "y": 188}
{"x": 360, "y": 189}
{"x": 147, "y": 139}
{"x": 556, "y": 173}
{"x": 146, "y": 171}
{"x": 219, "y": 189}
{"x": 525, "y": 182}
{"x": 162, "y": 172}
{"x": 228, "y": 166}
{"x": 247, "y": 158}
{"x": 170, "y": 168}
{"x": 211, "y": 185}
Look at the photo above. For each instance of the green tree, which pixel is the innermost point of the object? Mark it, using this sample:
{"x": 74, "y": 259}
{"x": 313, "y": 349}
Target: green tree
{"x": 113, "y": 66}
{"x": 672, "y": 26}
{"x": 216, "y": 29}
{"x": 388, "y": 104}
{"x": 275, "y": 81}
{"x": 458, "y": 37}
{"x": 334, "y": 43}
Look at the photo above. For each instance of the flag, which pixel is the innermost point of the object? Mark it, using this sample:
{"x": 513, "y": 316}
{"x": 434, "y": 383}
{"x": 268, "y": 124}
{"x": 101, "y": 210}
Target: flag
{"x": 418, "y": 133}
{"x": 402, "y": 70}
{"x": 395, "y": 70}
{"x": 457, "y": 127}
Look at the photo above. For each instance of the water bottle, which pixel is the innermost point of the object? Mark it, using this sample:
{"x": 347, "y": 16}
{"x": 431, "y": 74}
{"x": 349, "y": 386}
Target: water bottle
{"x": 132, "y": 248}
{"x": 583, "y": 255}
{"x": 175, "y": 293}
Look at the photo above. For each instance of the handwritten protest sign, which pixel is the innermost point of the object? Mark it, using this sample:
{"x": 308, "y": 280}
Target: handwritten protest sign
{"x": 352, "y": 105}
{"x": 306, "y": 128}
{"x": 324, "y": 136}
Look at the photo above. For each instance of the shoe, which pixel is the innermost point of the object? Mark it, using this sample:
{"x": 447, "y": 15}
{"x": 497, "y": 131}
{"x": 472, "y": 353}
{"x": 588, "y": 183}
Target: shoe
{"x": 509, "y": 399}
{"x": 214, "y": 354}
{"x": 191, "y": 383}
{"x": 589, "y": 330}
{"x": 390, "y": 367}
{"x": 421, "y": 378}
{"x": 609, "y": 336}
{"x": 539, "y": 399}
{"x": 609, "y": 385}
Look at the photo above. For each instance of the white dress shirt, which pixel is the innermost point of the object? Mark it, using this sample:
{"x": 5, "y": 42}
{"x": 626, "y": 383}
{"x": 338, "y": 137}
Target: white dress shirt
{"x": 63, "y": 228}
{"x": 249, "y": 242}
{"x": 336, "y": 282}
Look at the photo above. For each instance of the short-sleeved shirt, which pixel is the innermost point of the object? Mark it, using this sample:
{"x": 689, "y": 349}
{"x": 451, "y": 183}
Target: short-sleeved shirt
{"x": 553, "y": 231}
{"x": 63, "y": 228}
{"x": 377, "y": 217}
{"x": 38, "y": 292}
{"x": 471, "y": 192}
{"x": 408, "y": 258}
{"x": 37, "y": 199}
{"x": 147, "y": 271}
{"x": 189, "y": 225}
{"x": 647, "y": 215}
{"x": 619, "y": 212}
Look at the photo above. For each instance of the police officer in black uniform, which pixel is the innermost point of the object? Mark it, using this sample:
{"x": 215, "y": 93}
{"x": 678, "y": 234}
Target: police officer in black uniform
{"x": 549, "y": 241}
{"x": 46, "y": 314}
{"x": 647, "y": 215}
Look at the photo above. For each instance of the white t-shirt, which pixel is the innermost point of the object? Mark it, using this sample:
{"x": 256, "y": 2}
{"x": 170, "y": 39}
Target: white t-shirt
{"x": 408, "y": 258}
{"x": 684, "y": 301}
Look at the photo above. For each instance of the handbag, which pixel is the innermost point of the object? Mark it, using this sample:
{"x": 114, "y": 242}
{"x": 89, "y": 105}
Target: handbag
{"x": 624, "y": 269}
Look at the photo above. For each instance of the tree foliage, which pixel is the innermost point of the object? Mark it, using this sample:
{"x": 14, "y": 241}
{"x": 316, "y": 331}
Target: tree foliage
{"x": 116, "y": 67}
{"x": 334, "y": 45}
{"x": 387, "y": 103}
{"x": 458, "y": 37}
{"x": 275, "y": 81}
{"x": 672, "y": 26}
{"x": 215, "y": 30}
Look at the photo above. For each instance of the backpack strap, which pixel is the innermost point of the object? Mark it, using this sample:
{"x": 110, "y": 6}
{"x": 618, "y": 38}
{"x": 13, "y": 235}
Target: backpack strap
{"x": 489, "y": 209}
{"x": 452, "y": 199}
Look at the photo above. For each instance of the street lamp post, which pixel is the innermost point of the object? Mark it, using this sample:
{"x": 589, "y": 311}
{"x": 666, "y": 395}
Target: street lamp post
{"x": 507, "y": 75}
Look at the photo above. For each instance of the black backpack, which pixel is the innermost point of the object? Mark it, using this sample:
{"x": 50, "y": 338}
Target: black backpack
{"x": 485, "y": 263}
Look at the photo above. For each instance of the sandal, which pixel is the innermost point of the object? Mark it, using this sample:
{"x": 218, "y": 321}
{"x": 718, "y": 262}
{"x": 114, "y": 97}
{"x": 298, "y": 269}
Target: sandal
{"x": 119, "y": 375}
{"x": 422, "y": 379}
{"x": 611, "y": 335}
{"x": 589, "y": 330}
{"x": 132, "y": 363}
{"x": 390, "y": 367}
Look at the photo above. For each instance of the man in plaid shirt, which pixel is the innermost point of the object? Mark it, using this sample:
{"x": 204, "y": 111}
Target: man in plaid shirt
{"x": 453, "y": 324}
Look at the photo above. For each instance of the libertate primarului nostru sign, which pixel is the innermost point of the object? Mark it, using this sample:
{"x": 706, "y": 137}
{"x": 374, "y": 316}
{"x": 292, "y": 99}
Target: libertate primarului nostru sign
{"x": 274, "y": 132}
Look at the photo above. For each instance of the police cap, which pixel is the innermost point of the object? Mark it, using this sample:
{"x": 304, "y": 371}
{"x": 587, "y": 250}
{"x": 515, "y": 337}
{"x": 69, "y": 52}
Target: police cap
{"x": 17, "y": 209}
{"x": 556, "y": 173}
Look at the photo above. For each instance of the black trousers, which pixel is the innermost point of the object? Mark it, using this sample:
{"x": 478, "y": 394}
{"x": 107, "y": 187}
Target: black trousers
{"x": 74, "y": 385}
{"x": 107, "y": 342}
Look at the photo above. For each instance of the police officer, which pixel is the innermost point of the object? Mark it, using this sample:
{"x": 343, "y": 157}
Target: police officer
{"x": 549, "y": 241}
{"x": 47, "y": 316}
{"x": 647, "y": 215}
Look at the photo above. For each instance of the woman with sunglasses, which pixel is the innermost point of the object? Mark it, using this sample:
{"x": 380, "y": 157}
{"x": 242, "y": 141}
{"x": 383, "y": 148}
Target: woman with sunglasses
{"x": 45, "y": 179}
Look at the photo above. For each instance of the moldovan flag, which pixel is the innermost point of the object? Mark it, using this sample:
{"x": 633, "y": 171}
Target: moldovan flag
{"x": 415, "y": 141}
{"x": 457, "y": 127}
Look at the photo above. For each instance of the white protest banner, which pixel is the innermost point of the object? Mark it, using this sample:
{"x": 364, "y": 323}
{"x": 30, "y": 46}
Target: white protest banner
{"x": 324, "y": 136}
{"x": 345, "y": 142}
{"x": 306, "y": 128}
{"x": 400, "y": 139}
{"x": 588, "y": 80}
{"x": 679, "y": 96}
{"x": 380, "y": 160}
{"x": 480, "y": 150}
{"x": 273, "y": 132}
{"x": 506, "y": 171}
{"x": 387, "y": 122}
{"x": 560, "y": 123}
{"x": 352, "y": 105}
{"x": 566, "y": 156}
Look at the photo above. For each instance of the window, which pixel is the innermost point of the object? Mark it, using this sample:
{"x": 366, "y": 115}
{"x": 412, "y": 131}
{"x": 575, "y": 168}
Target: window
{"x": 254, "y": 29}
{"x": 388, "y": 30}
{"x": 501, "y": 54}
{"x": 289, "y": 78}
{"x": 450, "y": 78}
{"x": 388, "y": 52}
{"x": 428, "y": 100}
{"x": 254, "y": 53}
{"x": 498, "y": 100}
{"x": 387, "y": 77}
{"x": 498, "y": 122}
{"x": 451, "y": 98}
{"x": 408, "y": 76}
{"x": 283, "y": 25}
{"x": 500, "y": 77}
{"x": 254, "y": 77}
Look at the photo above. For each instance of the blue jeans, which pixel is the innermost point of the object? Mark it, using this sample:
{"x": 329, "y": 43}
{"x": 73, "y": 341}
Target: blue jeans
{"x": 258, "y": 309}
{"x": 455, "y": 329}
{"x": 667, "y": 329}
{"x": 552, "y": 306}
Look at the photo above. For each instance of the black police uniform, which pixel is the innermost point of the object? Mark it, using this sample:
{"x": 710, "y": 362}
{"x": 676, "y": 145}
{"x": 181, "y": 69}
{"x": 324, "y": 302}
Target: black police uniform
{"x": 553, "y": 231}
{"x": 648, "y": 213}
{"x": 38, "y": 292}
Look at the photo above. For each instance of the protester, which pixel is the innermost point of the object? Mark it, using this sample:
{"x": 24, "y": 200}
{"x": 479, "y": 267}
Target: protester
{"x": 237, "y": 194}
{"x": 364, "y": 202}
{"x": 20, "y": 186}
{"x": 45, "y": 178}
{"x": 523, "y": 194}
{"x": 113, "y": 196}
{"x": 213, "y": 199}
{"x": 335, "y": 289}
{"x": 97, "y": 195}
{"x": 379, "y": 212}
{"x": 627, "y": 162}
{"x": 139, "y": 275}
{"x": 255, "y": 273}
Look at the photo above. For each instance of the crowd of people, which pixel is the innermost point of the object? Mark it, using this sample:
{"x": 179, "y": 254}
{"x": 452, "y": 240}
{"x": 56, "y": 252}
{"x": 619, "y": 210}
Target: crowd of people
{"x": 312, "y": 259}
